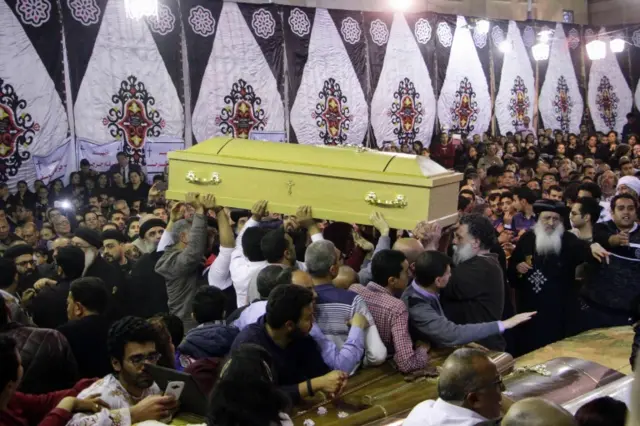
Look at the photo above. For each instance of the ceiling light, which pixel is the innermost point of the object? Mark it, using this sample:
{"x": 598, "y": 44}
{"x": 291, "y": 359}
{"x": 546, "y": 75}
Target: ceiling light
{"x": 400, "y": 5}
{"x": 540, "y": 52}
{"x": 505, "y": 46}
{"x": 617, "y": 45}
{"x": 596, "y": 49}
{"x": 137, "y": 9}
{"x": 482, "y": 26}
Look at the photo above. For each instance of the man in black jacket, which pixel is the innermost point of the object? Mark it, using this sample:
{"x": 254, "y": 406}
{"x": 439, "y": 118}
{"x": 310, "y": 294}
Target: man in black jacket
{"x": 90, "y": 242}
{"x": 475, "y": 293}
{"x": 49, "y": 306}
{"x": 88, "y": 326}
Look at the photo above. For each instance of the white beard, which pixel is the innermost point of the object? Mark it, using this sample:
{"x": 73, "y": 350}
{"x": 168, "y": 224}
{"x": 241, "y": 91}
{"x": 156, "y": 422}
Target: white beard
{"x": 89, "y": 257}
{"x": 548, "y": 243}
{"x": 462, "y": 253}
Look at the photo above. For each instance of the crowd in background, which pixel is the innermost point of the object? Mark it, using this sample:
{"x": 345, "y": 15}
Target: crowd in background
{"x": 102, "y": 276}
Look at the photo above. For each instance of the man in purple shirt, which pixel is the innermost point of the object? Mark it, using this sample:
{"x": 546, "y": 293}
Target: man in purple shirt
{"x": 284, "y": 333}
{"x": 525, "y": 219}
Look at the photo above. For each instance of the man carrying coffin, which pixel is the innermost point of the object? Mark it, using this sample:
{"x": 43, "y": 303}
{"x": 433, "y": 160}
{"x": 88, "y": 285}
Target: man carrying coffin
{"x": 542, "y": 271}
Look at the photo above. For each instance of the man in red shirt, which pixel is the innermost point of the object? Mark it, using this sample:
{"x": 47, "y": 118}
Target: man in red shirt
{"x": 444, "y": 152}
{"x": 390, "y": 273}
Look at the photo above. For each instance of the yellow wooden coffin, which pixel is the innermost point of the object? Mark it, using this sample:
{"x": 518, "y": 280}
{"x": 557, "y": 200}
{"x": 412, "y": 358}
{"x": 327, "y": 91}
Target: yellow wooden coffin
{"x": 340, "y": 183}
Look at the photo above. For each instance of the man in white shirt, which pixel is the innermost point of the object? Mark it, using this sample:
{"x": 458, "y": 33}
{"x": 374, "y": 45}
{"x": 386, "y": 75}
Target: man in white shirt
{"x": 278, "y": 249}
{"x": 469, "y": 389}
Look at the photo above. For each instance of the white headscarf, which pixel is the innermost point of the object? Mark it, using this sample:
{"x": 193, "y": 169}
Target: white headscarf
{"x": 631, "y": 182}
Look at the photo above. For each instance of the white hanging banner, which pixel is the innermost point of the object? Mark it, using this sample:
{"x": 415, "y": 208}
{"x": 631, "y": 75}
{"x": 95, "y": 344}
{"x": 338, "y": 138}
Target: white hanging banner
{"x": 156, "y": 155}
{"x": 58, "y": 164}
{"x": 100, "y": 156}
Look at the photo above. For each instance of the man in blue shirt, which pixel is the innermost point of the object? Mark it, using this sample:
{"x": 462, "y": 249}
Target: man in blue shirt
{"x": 284, "y": 333}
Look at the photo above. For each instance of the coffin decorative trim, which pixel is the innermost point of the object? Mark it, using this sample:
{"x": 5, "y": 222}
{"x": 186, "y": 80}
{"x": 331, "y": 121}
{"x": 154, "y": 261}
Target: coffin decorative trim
{"x": 192, "y": 178}
{"x": 398, "y": 202}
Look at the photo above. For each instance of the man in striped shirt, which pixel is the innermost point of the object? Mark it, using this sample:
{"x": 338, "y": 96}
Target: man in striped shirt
{"x": 390, "y": 270}
{"x": 335, "y": 307}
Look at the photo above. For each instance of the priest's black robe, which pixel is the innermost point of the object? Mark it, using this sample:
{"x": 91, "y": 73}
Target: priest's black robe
{"x": 548, "y": 288}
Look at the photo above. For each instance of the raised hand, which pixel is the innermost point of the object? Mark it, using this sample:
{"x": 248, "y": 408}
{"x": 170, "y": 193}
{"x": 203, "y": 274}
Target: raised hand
{"x": 259, "y": 210}
{"x": 378, "y": 221}
{"x": 518, "y": 319}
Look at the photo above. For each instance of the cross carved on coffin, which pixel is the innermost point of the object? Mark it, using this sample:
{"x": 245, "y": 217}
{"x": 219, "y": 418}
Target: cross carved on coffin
{"x": 290, "y": 185}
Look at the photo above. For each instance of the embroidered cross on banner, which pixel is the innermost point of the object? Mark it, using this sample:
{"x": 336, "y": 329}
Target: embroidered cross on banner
{"x": 291, "y": 184}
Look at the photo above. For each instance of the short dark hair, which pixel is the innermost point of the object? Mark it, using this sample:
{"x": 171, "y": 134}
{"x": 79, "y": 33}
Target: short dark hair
{"x": 270, "y": 277}
{"x": 208, "y": 304}
{"x": 8, "y": 271}
{"x": 431, "y": 265}
{"x": 525, "y": 193}
{"x": 9, "y": 361}
{"x": 127, "y": 330}
{"x": 113, "y": 213}
{"x": 553, "y": 175}
{"x": 590, "y": 206}
{"x": 615, "y": 199}
{"x": 481, "y": 228}
{"x": 251, "y": 243}
{"x": 174, "y": 326}
{"x": 386, "y": 264}
{"x": 286, "y": 303}
{"x": 556, "y": 188}
{"x": 273, "y": 245}
{"x": 91, "y": 292}
{"x": 603, "y": 411}
{"x": 84, "y": 162}
{"x": 506, "y": 194}
{"x": 592, "y": 188}
{"x": 121, "y": 154}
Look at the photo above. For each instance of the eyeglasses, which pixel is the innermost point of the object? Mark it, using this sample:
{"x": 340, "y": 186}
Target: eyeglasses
{"x": 139, "y": 360}
{"x": 25, "y": 263}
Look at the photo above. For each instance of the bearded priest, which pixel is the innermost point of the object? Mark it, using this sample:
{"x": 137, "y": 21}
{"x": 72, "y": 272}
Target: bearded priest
{"x": 542, "y": 272}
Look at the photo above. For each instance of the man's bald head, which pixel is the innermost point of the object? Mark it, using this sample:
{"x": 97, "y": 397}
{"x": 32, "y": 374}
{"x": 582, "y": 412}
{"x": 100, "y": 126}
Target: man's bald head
{"x": 411, "y": 248}
{"x": 346, "y": 277}
{"x": 302, "y": 279}
{"x": 59, "y": 242}
{"x": 537, "y": 412}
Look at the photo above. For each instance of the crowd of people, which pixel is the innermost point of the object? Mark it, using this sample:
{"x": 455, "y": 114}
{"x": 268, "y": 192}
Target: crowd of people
{"x": 104, "y": 276}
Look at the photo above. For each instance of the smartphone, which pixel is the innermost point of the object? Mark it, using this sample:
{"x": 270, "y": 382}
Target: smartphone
{"x": 174, "y": 389}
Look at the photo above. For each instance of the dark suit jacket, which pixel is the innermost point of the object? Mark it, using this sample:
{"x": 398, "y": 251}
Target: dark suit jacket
{"x": 88, "y": 340}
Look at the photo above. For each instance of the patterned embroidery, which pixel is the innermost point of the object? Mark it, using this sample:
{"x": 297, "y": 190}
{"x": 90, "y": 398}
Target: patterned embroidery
{"x": 423, "y": 31}
{"x": 164, "y": 22}
{"x": 497, "y": 36}
{"x": 350, "y": 30}
{"x": 242, "y": 113}
{"x": 133, "y": 119}
{"x": 17, "y": 130}
{"x": 33, "y": 12}
{"x": 299, "y": 22}
{"x": 563, "y": 104}
{"x": 464, "y": 111}
{"x": 332, "y": 114}
{"x": 573, "y": 39}
{"x": 480, "y": 39}
{"x": 537, "y": 278}
{"x": 379, "y": 32}
{"x": 202, "y": 21}
{"x": 444, "y": 34}
{"x": 86, "y": 12}
{"x": 607, "y": 101}
{"x": 519, "y": 103}
{"x": 263, "y": 23}
{"x": 529, "y": 36}
{"x": 636, "y": 38}
{"x": 406, "y": 112}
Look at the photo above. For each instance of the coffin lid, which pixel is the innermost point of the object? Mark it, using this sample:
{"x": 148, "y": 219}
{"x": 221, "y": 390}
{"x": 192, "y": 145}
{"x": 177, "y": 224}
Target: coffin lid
{"x": 320, "y": 160}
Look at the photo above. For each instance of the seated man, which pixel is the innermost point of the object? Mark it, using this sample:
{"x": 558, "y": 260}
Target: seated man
{"x": 284, "y": 333}
{"x": 211, "y": 338}
{"x": 130, "y": 392}
{"x": 390, "y": 270}
{"x": 538, "y": 412}
{"x": 469, "y": 392}
{"x": 426, "y": 317}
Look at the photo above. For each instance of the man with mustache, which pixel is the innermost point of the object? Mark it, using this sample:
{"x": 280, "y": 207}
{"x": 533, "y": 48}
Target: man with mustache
{"x": 22, "y": 257}
{"x": 113, "y": 250}
{"x": 542, "y": 271}
{"x": 90, "y": 242}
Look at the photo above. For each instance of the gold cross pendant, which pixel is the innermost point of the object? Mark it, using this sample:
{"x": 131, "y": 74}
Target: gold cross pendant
{"x": 290, "y": 184}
